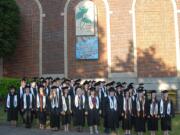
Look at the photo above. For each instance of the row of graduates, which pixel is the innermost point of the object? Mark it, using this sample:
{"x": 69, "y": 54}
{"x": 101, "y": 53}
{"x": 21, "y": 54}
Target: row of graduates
{"x": 66, "y": 100}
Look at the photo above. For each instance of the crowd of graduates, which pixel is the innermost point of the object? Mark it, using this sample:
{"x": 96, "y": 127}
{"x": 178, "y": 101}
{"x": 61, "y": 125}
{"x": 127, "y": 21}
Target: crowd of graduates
{"x": 65, "y": 101}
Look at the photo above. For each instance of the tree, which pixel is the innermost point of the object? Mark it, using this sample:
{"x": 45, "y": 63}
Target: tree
{"x": 9, "y": 27}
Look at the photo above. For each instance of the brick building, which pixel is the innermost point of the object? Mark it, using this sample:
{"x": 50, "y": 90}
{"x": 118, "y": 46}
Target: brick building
{"x": 138, "y": 41}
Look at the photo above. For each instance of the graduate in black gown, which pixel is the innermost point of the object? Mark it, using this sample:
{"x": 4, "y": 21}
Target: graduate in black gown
{"x": 141, "y": 110}
{"x": 112, "y": 110}
{"x": 153, "y": 113}
{"x": 12, "y": 106}
{"x": 166, "y": 113}
{"x": 119, "y": 94}
{"x": 93, "y": 111}
{"x": 79, "y": 109}
{"x": 21, "y": 91}
{"x": 27, "y": 106}
{"x": 127, "y": 112}
{"x": 41, "y": 107}
{"x": 55, "y": 109}
{"x": 66, "y": 108}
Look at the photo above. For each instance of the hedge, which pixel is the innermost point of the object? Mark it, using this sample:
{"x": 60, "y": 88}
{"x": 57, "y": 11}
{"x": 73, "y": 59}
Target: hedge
{"x": 5, "y": 83}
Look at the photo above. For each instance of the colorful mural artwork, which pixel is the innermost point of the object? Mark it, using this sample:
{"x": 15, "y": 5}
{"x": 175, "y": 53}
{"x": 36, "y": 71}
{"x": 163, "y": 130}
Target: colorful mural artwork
{"x": 87, "y": 48}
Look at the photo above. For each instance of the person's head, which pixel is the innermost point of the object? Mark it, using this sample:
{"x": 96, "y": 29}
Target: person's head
{"x": 92, "y": 91}
{"x": 65, "y": 90}
{"x": 27, "y": 89}
{"x": 23, "y": 82}
{"x": 33, "y": 84}
{"x": 53, "y": 90}
{"x": 12, "y": 89}
{"x": 165, "y": 94}
{"x": 79, "y": 90}
{"x": 153, "y": 94}
{"x": 111, "y": 91}
{"x": 140, "y": 93}
{"x": 41, "y": 90}
{"x": 126, "y": 93}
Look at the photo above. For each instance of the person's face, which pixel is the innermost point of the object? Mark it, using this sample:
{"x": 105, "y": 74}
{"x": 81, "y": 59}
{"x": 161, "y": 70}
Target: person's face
{"x": 41, "y": 91}
{"x": 86, "y": 87}
{"x": 12, "y": 90}
{"x": 33, "y": 84}
{"x": 111, "y": 93}
{"x": 92, "y": 93}
{"x": 79, "y": 91}
{"x": 23, "y": 83}
{"x": 66, "y": 91}
{"x": 153, "y": 95}
{"x": 165, "y": 95}
{"x": 27, "y": 90}
{"x": 127, "y": 94}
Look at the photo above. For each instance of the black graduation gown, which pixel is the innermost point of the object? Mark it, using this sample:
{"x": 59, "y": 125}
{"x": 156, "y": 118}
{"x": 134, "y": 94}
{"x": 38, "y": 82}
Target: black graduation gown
{"x": 165, "y": 118}
{"x": 42, "y": 111}
{"x": 28, "y": 111}
{"x": 55, "y": 114}
{"x": 12, "y": 111}
{"x": 133, "y": 113}
{"x": 127, "y": 119}
{"x": 79, "y": 114}
{"x": 66, "y": 119}
{"x": 120, "y": 107}
{"x": 111, "y": 115}
{"x": 140, "y": 124}
{"x": 152, "y": 121}
{"x": 93, "y": 114}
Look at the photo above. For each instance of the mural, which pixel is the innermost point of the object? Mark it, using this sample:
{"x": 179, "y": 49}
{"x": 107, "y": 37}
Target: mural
{"x": 85, "y": 18}
{"x": 87, "y": 48}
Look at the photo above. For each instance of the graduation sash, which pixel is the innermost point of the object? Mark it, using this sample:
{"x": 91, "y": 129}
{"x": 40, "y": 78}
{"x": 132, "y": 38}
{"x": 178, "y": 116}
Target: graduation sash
{"x": 154, "y": 108}
{"x": 112, "y": 103}
{"x": 64, "y": 105}
{"x": 25, "y": 103}
{"x": 129, "y": 105}
{"x": 77, "y": 101}
{"x": 162, "y": 111}
{"x": 91, "y": 103}
{"x": 54, "y": 102}
{"x": 38, "y": 101}
{"x": 8, "y": 101}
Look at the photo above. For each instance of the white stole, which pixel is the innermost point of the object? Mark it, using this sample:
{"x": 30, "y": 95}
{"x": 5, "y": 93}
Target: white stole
{"x": 38, "y": 101}
{"x": 125, "y": 105}
{"x": 8, "y": 101}
{"x": 138, "y": 105}
{"x": 91, "y": 103}
{"x": 54, "y": 102}
{"x": 24, "y": 100}
{"x": 113, "y": 103}
{"x": 77, "y": 101}
{"x": 64, "y": 105}
{"x": 155, "y": 108}
{"x": 168, "y": 111}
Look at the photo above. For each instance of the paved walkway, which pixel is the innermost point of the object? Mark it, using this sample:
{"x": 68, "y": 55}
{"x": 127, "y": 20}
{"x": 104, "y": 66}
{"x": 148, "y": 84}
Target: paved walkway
{"x": 8, "y": 130}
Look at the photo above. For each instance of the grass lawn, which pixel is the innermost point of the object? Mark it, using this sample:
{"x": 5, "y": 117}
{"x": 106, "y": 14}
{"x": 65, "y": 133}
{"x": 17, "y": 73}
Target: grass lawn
{"x": 175, "y": 124}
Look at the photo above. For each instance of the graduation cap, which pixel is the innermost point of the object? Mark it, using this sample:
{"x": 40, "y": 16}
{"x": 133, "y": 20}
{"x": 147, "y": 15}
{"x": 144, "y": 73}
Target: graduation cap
{"x": 77, "y": 87}
{"x": 111, "y": 89}
{"x": 86, "y": 82}
{"x": 12, "y": 87}
{"x": 153, "y": 91}
{"x": 92, "y": 89}
{"x": 67, "y": 80}
{"x": 27, "y": 86}
{"x": 140, "y": 89}
{"x": 110, "y": 83}
{"x": 54, "y": 87}
{"x": 165, "y": 91}
{"x": 57, "y": 79}
{"x": 130, "y": 86}
{"x": 65, "y": 87}
{"x": 124, "y": 83}
{"x": 41, "y": 86}
{"x": 119, "y": 85}
{"x": 78, "y": 80}
{"x": 97, "y": 83}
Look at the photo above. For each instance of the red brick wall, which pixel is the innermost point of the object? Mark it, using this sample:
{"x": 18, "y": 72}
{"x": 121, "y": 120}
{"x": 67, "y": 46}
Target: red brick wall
{"x": 25, "y": 60}
{"x": 122, "y": 59}
{"x": 87, "y": 68}
{"x": 156, "y": 38}
{"x": 53, "y": 37}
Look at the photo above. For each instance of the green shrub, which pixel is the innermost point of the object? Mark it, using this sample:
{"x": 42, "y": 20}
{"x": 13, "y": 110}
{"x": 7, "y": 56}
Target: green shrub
{"x": 5, "y": 83}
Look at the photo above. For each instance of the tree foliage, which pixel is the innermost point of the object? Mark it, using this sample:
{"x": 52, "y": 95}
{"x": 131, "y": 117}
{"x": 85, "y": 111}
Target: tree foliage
{"x": 9, "y": 26}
